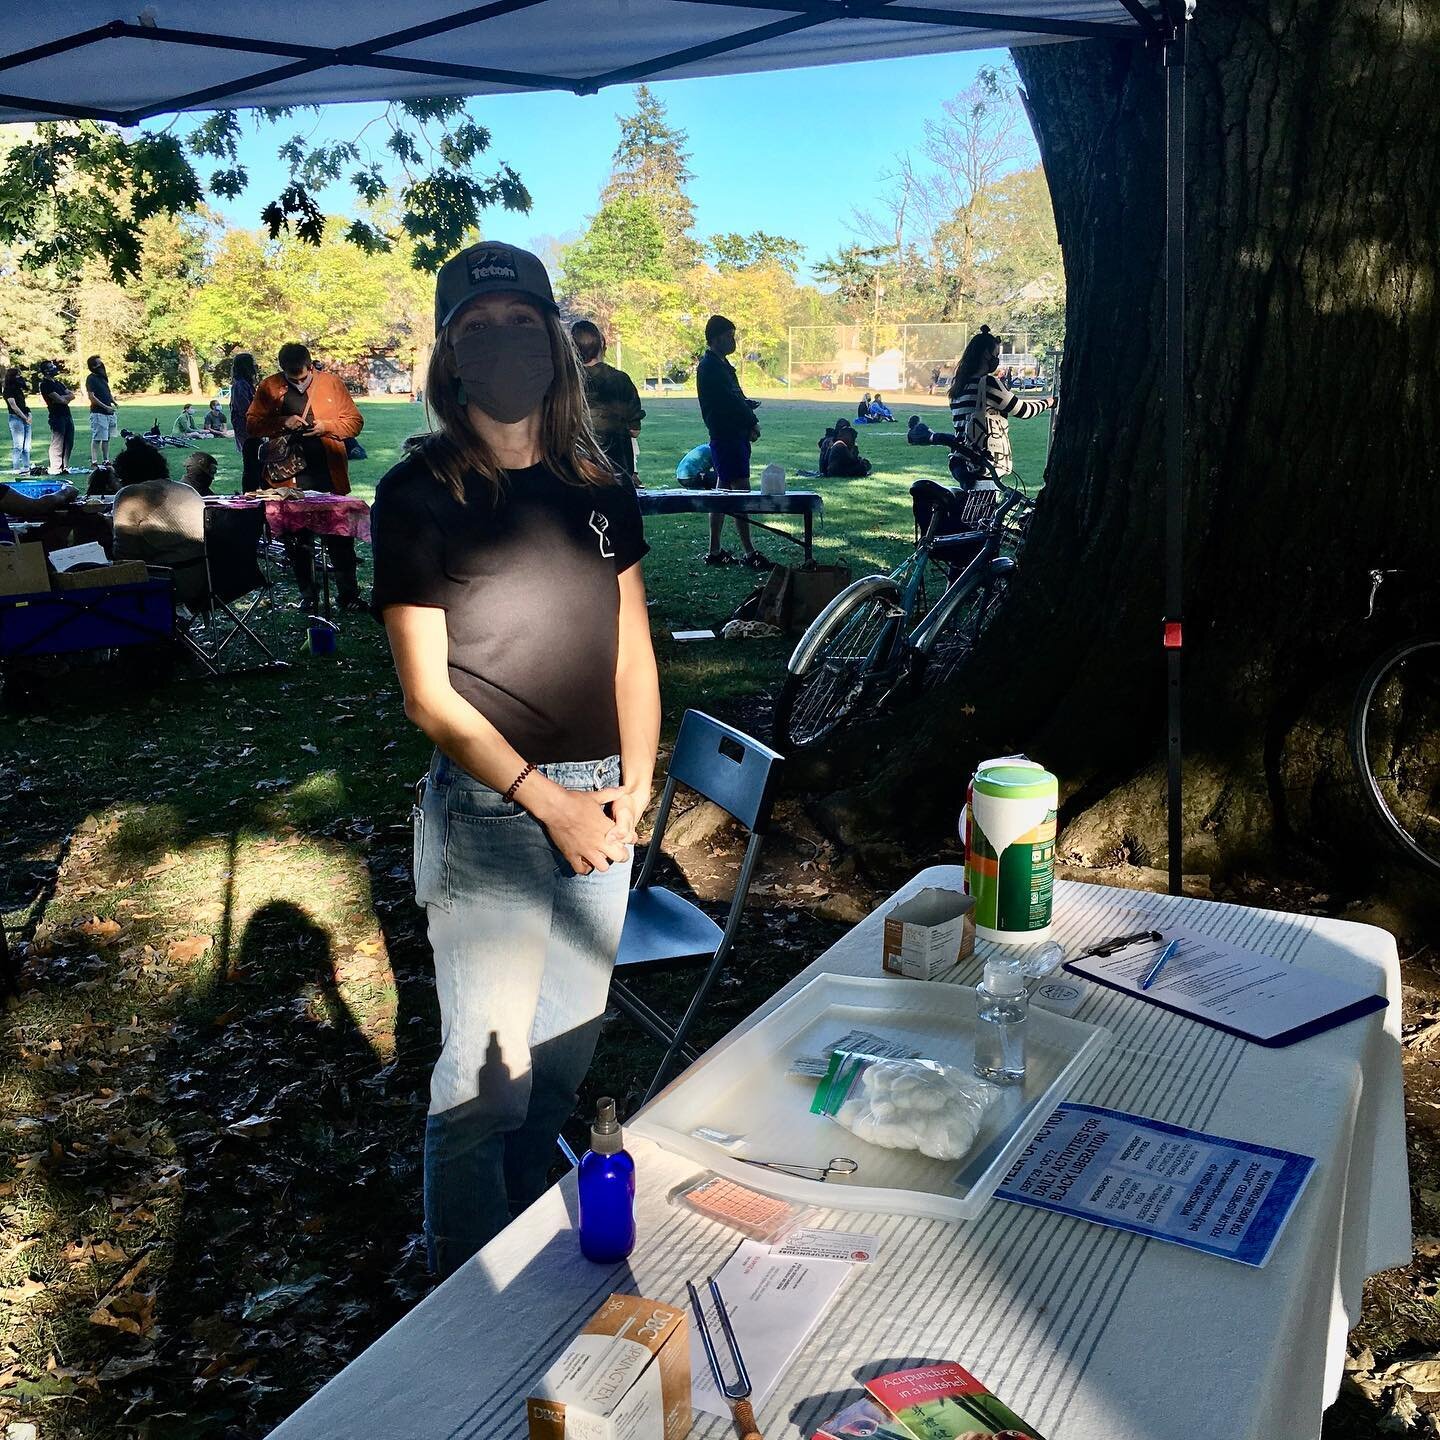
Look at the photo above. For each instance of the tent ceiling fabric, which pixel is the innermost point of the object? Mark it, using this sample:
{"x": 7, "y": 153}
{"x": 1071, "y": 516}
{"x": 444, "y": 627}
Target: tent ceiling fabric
{"x": 91, "y": 58}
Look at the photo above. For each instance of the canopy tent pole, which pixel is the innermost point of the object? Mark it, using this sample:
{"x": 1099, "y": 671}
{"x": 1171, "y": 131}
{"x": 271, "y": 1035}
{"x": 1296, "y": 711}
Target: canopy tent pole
{"x": 1173, "y": 56}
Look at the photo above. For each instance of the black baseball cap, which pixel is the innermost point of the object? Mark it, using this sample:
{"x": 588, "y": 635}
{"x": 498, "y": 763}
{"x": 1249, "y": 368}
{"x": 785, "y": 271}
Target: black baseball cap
{"x": 489, "y": 268}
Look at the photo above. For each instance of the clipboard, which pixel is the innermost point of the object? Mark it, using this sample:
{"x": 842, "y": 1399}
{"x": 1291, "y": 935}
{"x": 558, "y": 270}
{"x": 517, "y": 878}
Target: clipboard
{"x": 1331, "y": 1019}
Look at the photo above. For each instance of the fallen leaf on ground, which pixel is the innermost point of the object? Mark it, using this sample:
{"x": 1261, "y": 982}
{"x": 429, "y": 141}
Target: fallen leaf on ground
{"x": 1421, "y": 1374}
{"x": 192, "y": 947}
{"x": 15, "y": 1294}
{"x": 98, "y": 929}
{"x": 280, "y": 1297}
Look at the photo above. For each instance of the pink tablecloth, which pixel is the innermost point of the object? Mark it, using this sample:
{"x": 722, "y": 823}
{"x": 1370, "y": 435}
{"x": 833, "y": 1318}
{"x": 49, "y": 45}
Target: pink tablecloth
{"x": 309, "y": 511}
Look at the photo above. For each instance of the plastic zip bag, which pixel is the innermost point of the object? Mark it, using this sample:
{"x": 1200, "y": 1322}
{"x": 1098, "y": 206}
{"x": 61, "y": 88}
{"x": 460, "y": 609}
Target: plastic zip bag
{"x": 904, "y": 1104}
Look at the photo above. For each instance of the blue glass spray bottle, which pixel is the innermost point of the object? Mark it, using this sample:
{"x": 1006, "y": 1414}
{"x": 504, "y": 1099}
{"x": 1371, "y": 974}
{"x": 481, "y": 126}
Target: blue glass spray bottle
{"x": 607, "y": 1191}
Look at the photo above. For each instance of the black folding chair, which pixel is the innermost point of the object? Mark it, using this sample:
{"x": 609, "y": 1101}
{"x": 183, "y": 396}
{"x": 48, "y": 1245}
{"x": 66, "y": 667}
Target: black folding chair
{"x": 664, "y": 932}
{"x": 233, "y": 539}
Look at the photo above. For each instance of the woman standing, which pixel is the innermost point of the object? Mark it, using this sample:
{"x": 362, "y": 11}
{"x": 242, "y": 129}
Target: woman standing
{"x": 507, "y": 574}
{"x": 243, "y": 379}
{"x": 982, "y": 416}
{"x": 17, "y": 411}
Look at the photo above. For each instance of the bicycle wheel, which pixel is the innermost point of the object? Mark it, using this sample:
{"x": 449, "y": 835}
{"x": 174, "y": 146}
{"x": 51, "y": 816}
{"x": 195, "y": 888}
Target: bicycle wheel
{"x": 1395, "y": 745}
{"x": 953, "y": 645}
{"x": 847, "y": 653}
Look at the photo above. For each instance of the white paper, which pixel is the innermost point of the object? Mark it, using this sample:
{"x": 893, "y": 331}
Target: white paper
{"x": 87, "y": 554}
{"x": 847, "y": 1245}
{"x": 774, "y": 1302}
{"x": 1215, "y": 981}
{"x": 692, "y": 634}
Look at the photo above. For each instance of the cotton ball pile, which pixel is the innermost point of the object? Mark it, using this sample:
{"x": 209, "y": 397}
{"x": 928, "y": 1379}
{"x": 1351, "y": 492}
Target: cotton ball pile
{"x": 899, "y": 1105}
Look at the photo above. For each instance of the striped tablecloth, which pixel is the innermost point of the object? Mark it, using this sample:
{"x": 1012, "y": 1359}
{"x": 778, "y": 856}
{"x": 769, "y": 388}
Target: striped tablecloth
{"x": 1090, "y": 1333}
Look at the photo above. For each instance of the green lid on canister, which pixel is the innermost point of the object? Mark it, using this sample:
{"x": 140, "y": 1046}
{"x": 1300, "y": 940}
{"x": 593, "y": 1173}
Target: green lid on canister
{"x": 1015, "y": 782}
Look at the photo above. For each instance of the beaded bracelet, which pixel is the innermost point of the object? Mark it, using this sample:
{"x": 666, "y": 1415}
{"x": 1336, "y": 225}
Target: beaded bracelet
{"x": 517, "y": 782}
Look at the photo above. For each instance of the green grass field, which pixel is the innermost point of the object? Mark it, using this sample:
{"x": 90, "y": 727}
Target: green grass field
{"x": 867, "y": 522}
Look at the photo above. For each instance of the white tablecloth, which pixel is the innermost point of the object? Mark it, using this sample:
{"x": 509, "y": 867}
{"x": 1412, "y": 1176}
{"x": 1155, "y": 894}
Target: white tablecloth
{"x": 1087, "y": 1332}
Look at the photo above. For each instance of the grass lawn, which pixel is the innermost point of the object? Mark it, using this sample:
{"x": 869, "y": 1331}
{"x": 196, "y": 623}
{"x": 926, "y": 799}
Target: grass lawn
{"x": 213, "y": 1088}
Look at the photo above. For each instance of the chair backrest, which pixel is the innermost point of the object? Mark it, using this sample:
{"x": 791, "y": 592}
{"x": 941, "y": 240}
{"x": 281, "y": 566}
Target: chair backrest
{"x": 728, "y": 767}
{"x": 232, "y": 542}
{"x": 162, "y": 522}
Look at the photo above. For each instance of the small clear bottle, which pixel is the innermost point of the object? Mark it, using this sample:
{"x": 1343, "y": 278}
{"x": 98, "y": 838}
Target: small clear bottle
{"x": 607, "y": 1191}
{"x": 1002, "y": 1007}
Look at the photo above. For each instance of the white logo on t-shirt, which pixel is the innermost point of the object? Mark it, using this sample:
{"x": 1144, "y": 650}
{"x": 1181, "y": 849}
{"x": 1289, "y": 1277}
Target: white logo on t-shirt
{"x": 600, "y": 524}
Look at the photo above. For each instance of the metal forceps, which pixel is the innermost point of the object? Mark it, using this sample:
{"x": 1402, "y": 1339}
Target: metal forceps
{"x": 839, "y": 1165}
{"x": 737, "y": 1393}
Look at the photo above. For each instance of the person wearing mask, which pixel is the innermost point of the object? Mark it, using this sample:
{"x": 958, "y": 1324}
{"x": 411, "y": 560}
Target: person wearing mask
{"x": 57, "y": 397}
{"x": 17, "y": 411}
{"x": 315, "y": 407}
{"x": 215, "y": 421}
{"x": 862, "y": 409}
{"x": 243, "y": 379}
{"x": 200, "y": 470}
{"x": 507, "y": 575}
{"x": 730, "y": 419}
{"x": 185, "y": 423}
{"x": 104, "y": 424}
{"x": 982, "y": 407}
{"x": 615, "y": 412}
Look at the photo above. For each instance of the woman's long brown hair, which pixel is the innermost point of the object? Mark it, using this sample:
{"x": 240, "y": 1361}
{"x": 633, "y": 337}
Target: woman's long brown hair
{"x": 568, "y": 447}
{"x": 981, "y": 356}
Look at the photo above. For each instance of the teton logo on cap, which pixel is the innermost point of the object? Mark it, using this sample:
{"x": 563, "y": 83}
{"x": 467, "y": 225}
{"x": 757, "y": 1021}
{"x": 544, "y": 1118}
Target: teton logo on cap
{"x": 489, "y": 265}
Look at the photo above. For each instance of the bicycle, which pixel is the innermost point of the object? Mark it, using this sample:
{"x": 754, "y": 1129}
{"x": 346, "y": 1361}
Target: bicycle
{"x": 881, "y": 636}
{"x": 1394, "y": 739}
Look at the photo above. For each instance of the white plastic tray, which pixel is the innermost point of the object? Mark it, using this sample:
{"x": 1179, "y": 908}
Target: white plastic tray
{"x": 742, "y": 1089}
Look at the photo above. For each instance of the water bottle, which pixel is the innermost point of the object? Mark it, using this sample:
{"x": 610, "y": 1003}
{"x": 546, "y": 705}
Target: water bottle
{"x": 1002, "y": 1007}
{"x": 607, "y": 1191}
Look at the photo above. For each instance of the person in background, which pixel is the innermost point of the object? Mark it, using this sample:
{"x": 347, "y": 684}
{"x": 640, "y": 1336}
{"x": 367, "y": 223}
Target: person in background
{"x": 215, "y": 421}
{"x": 615, "y": 411}
{"x": 917, "y": 432}
{"x": 104, "y": 426}
{"x": 730, "y": 419}
{"x": 862, "y": 408}
{"x": 200, "y": 470}
{"x": 102, "y": 482}
{"x": 696, "y": 470}
{"x": 185, "y": 420}
{"x": 879, "y": 410}
{"x": 17, "y": 411}
{"x": 982, "y": 407}
{"x": 157, "y": 519}
{"x": 243, "y": 379}
{"x": 841, "y": 457}
{"x": 57, "y": 397}
{"x": 507, "y": 573}
{"x": 315, "y": 406}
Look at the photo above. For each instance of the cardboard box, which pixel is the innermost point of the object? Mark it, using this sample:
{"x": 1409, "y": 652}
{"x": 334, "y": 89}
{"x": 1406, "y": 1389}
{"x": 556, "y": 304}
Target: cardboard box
{"x": 22, "y": 569}
{"x": 625, "y": 1376}
{"x": 930, "y": 932}
{"x": 123, "y": 572}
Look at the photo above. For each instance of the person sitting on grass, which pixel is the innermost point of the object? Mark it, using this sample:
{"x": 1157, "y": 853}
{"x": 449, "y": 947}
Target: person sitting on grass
{"x": 841, "y": 457}
{"x": 185, "y": 423}
{"x": 215, "y": 423}
{"x": 917, "y": 432}
{"x": 879, "y": 410}
{"x": 862, "y": 409}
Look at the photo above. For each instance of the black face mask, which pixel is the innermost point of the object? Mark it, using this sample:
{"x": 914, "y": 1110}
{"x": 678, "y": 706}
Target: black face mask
{"x": 505, "y": 369}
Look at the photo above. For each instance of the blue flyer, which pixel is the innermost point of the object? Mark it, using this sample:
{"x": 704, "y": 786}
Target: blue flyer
{"x": 1225, "y": 1197}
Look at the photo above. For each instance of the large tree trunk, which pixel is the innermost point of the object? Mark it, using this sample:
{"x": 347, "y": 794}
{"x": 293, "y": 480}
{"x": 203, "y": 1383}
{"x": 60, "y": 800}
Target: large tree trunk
{"x": 192, "y": 368}
{"x": 1314, "y": 167}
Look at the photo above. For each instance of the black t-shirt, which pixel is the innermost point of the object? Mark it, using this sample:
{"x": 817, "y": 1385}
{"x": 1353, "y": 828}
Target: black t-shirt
{"x": 316, "y": 474}
{"x": 97, "y": 387}
{"x": 15, "y": 390}
{"x": 528, "y": 586}
{"x": 55, "y": 408}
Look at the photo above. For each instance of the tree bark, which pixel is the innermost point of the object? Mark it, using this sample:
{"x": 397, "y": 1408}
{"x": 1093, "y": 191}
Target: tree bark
{"x": 192, "y": 368}
{"x": 1314, "y": 233}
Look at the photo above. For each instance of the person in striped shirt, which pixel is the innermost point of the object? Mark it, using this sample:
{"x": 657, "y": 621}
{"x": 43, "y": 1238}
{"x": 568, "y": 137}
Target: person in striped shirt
{"x": 987, "y": 425}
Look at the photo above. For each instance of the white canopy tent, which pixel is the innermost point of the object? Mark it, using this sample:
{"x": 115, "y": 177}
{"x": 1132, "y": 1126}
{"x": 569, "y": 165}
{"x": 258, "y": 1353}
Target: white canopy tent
{"x": 90, "y": 60}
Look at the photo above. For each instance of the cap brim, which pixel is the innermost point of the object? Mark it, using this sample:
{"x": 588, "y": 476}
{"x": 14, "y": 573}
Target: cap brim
{"x": 455, "y": 309}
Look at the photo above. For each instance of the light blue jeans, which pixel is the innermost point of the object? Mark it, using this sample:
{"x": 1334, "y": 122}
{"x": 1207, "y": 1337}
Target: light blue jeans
{"x": 19, "y": 445}
{"x": 523, "y": 948}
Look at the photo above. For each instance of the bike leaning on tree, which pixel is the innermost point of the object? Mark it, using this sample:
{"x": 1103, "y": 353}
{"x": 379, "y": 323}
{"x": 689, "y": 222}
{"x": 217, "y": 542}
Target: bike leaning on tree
{"x": 886, "y": 636}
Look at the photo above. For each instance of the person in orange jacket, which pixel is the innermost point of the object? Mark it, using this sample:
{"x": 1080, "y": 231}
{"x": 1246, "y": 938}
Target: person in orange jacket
{"x": 315, "y": 405}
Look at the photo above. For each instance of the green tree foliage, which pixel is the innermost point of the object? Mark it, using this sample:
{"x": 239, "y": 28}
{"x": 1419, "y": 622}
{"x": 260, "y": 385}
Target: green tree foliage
{"x": 78, "y": 191}
{"x": 732, "y": 251}
{"x": 33, "y": 323}
{"x": 625, "y": 241}
{"x": 651, "y": 161}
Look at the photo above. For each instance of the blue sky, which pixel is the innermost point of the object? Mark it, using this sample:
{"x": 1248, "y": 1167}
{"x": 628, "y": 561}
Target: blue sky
{"x": 789, "y": 152}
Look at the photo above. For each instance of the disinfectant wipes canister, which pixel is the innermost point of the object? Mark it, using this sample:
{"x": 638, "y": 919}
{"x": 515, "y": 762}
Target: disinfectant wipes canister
{"x": 1017, "y": 760}
{"x": 1010, "y": 860}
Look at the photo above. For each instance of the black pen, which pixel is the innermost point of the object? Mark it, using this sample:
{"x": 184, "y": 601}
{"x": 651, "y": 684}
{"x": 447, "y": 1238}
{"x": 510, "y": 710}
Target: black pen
{"x": 1119, "y": 942}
